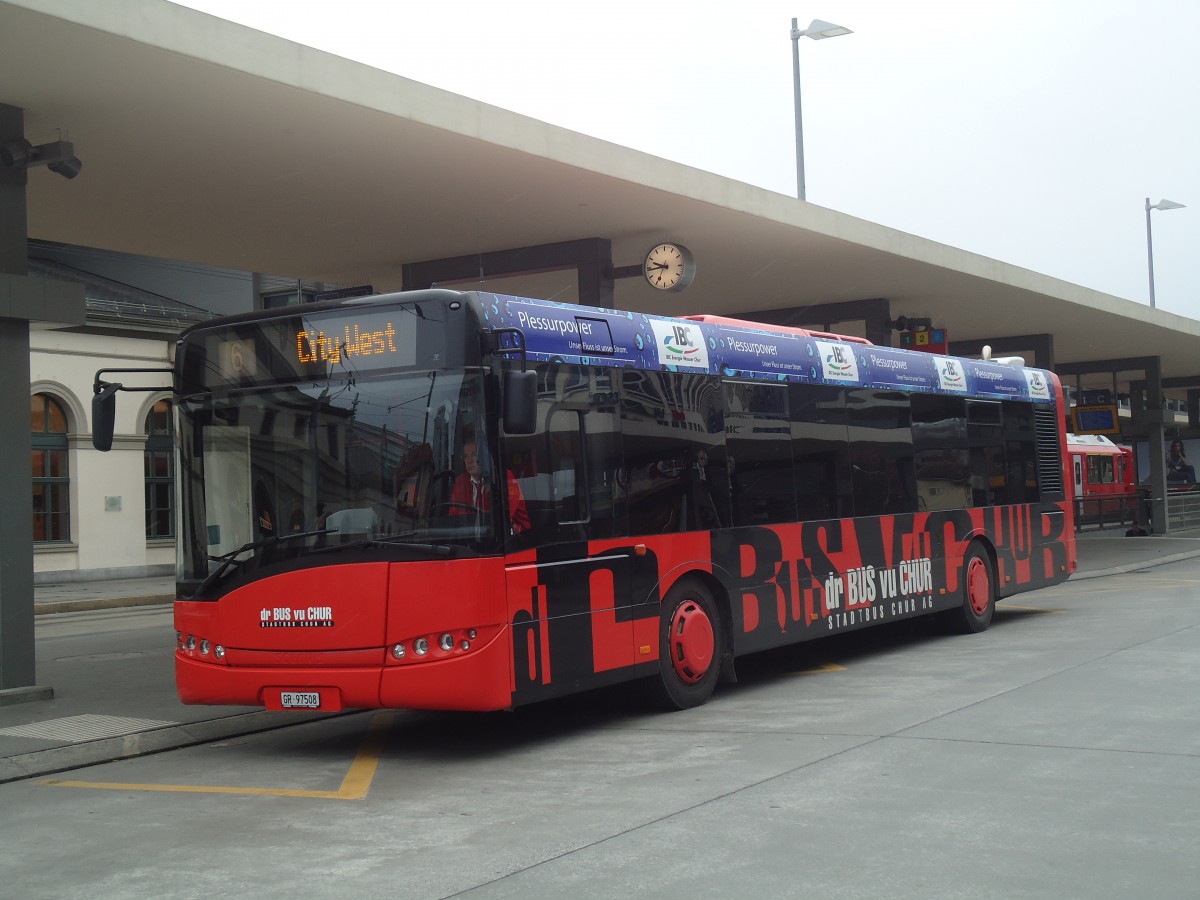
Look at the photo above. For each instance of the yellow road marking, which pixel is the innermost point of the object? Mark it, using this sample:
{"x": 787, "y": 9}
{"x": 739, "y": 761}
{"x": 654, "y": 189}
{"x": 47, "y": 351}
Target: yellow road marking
{"x": 1036, "y": 609}
{"x": 1086, "y": 587}
{"x": 822, "y": 667}
{"x": 354, "y": 786}
{"x": 1162, "y": 581}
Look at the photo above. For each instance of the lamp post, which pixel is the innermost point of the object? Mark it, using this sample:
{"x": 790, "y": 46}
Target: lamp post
{"x": 818, "y": 31}
{"x": 1161, "y": 204}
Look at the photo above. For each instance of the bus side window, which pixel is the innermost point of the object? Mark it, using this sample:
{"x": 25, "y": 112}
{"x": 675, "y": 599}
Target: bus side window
{"x": 940, "y": 452}
{"x": 523, "y": 456}
{"x": 564, "y": 452}
{"x": 602, "y": 446}
{"x": 879, "y": 425}
{"x": 567, "y": 468}
{"x": 821, "y": 451}
{"x": 668, "y": 420}
{"x": 758, "y": 438}
{"x": 986, "y": 438}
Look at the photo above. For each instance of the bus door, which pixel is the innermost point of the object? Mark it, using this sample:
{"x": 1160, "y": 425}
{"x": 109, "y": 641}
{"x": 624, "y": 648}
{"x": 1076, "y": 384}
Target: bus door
{"x": 571, "y": 586}
{"x": 573, "y": 619}
{"x": 227, "y": 489}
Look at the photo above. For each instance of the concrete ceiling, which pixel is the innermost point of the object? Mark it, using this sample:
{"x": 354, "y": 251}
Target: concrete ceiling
{"x": 208, "y": 142}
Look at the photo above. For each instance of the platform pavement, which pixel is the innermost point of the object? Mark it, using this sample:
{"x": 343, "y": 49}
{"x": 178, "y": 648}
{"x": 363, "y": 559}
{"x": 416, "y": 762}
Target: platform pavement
{"x": 123, "y": 704}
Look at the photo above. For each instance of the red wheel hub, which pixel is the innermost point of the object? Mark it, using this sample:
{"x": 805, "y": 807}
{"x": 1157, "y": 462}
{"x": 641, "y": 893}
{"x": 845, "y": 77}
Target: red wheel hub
{"x": 691, "y": 641}
{"x": 979, "y": 585}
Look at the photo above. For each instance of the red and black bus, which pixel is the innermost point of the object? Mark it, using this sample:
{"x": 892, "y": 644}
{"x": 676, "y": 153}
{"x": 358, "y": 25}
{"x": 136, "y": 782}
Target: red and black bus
{"x": 666, "y": 495}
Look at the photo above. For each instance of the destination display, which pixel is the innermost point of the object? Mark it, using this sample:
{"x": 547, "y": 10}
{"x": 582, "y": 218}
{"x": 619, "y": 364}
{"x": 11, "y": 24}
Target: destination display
{"x": 301, "y": 347}
{"x": 590, "y": 336}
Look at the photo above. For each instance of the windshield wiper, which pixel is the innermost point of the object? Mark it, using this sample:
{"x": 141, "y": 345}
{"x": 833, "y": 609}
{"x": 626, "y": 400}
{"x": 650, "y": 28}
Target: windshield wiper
{"x": 442, "y": 550}
{"x": 229, "y": 561}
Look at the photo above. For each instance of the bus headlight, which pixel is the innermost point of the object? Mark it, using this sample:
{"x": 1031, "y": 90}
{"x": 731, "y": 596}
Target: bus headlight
{"x": 439, "y": 646}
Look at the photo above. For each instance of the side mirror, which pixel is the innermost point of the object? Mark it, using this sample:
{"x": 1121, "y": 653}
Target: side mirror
{"x": 520, "y": 402}
{"x": 104, "y": 416}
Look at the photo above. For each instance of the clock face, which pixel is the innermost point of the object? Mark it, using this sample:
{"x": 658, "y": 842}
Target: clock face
{"x": 669, "y": 267}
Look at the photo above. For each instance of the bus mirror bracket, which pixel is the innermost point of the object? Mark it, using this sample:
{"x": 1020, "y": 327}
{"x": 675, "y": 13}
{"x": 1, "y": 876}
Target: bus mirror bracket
{"x": 104, "y": 405}
{"x": 505, "y": 343}
{"x": 520, "y": 388}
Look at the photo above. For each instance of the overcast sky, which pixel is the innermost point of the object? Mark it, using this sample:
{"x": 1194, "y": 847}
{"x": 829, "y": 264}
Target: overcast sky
{"x": 1030, "y": 131}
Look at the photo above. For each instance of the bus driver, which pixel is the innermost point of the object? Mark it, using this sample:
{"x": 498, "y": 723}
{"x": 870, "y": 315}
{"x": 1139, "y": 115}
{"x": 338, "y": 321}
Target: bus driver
{"x": 472, "y": 490}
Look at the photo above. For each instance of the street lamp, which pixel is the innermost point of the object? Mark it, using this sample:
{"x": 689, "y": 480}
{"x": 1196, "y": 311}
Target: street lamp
{"x": 818, "y": 31}
{"x": 1161, "y": 204}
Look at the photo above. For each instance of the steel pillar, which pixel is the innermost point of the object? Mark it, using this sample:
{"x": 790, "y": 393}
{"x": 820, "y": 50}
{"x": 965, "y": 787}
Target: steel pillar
{"x": 21, "y": 299}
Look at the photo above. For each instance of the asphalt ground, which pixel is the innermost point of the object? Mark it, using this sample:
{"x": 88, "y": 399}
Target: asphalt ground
{"x": 111, "y": 674}
{"x": 1054, "y": 757}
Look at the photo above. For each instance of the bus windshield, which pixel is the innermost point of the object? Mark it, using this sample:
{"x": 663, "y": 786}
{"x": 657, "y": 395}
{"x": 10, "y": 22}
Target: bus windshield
{"x": 284, "y": 475}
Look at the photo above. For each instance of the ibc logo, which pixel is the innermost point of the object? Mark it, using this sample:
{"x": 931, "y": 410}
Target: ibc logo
{"x": 1039, "y": 387}
{"x": 950, "y": 375}
{"x": 680, "y": 344}
{"x": 839, "y": 361}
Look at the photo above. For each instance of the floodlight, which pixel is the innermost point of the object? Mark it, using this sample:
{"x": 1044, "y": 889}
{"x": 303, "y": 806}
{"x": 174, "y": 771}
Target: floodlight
{"x": 58, "y": 156}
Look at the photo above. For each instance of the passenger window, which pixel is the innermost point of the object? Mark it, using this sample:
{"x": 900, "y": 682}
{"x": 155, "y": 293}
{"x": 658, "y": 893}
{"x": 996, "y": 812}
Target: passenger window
{"x": 820, "y": 452}
{"x": 985, "y": 437}
{"x": 673, "y": 433}
{"x": 940, "y": 458}
{"x": 565, "y": 455}
{"x": 758, "y": 439}
{"x": 567, "y": 470}
{"x": 881, "y": 452}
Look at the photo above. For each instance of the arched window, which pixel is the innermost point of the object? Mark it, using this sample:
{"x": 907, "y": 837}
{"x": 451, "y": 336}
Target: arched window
{"x": 51, "y": 480}
{"x": 160, "y": 472}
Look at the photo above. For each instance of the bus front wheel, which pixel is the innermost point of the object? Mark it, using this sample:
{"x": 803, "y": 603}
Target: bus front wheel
{"x": 979, "y": 593}
{"x": 689, "y": 647}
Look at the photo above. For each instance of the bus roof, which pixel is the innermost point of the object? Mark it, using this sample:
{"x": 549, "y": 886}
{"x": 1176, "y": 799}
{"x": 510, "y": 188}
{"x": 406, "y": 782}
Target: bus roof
{"x": 585, "y": 335}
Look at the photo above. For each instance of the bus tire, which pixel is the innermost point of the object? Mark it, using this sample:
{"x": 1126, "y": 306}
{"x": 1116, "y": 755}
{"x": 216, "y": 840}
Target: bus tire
{"x": 979, "y": 593}
{"x": 689, "y": 647}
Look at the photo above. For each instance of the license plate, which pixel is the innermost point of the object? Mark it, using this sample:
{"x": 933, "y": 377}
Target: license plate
{"x": 300, "y": 700}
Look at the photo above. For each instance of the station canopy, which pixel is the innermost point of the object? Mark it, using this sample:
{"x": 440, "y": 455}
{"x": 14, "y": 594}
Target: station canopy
{"x": 208, "y": 142}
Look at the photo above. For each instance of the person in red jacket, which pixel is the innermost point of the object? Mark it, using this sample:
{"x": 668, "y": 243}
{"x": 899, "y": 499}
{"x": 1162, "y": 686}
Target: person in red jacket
{"x": 472, "y": 490}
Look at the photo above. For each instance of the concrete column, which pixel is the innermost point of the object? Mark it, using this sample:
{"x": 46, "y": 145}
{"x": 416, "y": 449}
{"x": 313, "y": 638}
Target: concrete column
{"x": 22, "y": 299}
{"x": 1156, "y": 441}
{"x": 17, "y": 666}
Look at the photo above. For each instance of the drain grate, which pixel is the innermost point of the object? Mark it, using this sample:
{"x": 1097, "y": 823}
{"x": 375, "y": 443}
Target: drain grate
{"x": 77, "y": 729}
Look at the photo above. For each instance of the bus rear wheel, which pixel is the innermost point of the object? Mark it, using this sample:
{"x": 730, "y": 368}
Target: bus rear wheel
{"x": 689, "y": 647}
{"x": 979, "y": 594}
